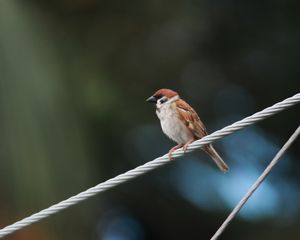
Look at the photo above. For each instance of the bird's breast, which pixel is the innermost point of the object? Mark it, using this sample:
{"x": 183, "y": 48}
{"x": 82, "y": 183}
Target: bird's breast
{"x": 172, "y": 126}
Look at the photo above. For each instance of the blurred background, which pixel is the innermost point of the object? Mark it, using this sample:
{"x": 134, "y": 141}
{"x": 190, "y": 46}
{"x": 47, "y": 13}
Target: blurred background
{"x": 74, "y": 79}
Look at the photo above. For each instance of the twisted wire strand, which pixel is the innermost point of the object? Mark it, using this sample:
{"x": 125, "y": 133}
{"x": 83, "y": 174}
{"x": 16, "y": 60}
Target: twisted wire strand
{"x": 140, "y": 170}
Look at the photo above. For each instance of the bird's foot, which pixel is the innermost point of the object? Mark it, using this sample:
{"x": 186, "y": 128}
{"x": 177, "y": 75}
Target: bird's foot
{"x": 185, "y": 146}
{"x": 173, "y": 149}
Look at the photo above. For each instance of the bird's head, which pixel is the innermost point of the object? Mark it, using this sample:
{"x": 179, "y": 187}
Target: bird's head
{"x": 162, "y": 95}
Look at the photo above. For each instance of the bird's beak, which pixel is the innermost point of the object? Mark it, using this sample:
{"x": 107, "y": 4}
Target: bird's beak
{"x": 151, "y": 99}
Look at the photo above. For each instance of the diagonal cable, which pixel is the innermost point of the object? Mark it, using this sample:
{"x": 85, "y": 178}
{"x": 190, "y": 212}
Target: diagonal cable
{"x": 257, "y": 183}
{"x": 149, "y": 166}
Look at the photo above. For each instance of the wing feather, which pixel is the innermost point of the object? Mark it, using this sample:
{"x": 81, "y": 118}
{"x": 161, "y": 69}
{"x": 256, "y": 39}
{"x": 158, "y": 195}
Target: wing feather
{"x": 191, "y": 119}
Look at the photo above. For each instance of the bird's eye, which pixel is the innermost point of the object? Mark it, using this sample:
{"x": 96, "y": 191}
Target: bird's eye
{"x": 163, "y": 100}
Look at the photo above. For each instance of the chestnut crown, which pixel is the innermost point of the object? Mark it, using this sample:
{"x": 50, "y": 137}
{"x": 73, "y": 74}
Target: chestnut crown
{"x": 164, "y": 92}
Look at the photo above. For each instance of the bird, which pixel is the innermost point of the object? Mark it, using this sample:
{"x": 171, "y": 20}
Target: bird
{"x": 180, "y": 122}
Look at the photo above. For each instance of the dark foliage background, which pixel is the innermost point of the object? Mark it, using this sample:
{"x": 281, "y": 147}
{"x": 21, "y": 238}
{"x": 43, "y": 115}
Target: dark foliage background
{"x": 74, "y": 79}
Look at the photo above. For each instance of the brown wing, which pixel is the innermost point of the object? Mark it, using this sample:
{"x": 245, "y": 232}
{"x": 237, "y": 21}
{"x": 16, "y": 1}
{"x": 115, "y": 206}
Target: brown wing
{"x": 191, "y": 119}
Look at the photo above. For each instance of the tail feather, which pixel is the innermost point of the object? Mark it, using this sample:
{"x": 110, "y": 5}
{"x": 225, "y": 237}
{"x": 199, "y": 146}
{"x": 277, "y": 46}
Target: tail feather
{"x": 216, "y": 157}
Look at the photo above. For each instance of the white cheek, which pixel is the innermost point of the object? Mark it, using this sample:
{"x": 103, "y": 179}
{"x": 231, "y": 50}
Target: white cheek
{"x": 160, "y": 111}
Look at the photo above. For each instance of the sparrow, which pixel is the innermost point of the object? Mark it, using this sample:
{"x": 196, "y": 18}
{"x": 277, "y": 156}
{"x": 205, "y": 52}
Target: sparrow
{"x": 181, "y": 123}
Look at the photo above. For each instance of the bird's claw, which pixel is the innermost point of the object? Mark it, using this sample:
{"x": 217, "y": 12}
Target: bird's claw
{"x": 185, "y": 146}
{"x": 173, "y": 149}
